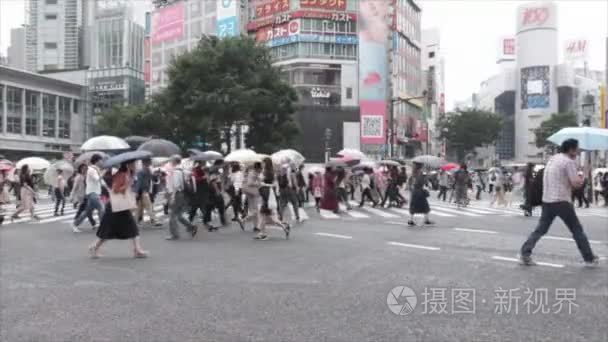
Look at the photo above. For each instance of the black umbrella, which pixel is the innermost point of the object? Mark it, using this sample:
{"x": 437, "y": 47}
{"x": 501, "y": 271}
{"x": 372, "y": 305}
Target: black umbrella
{"x": 126, "y": 157}
{"x": 160, "y": 148}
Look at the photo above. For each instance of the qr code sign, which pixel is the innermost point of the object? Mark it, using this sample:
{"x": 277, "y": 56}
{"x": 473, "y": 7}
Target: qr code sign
{"x": 372, "y": 126}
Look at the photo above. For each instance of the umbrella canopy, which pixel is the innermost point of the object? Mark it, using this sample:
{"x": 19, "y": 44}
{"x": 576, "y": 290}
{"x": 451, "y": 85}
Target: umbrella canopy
{"x": 244, "y": 156}
{"x": 126, "y": 157}
{"x": 348, "y": 161}
{"x": 289, "y": 156}
{"x": 389, "y": 163}
{"x": 315, "y": 169}
{"x": 50, "y": 175}
{"x": 194, "y": 151}
{"x": 135, "y": 140}
{"x": 352, "y": 153}
{"x": 207, "y": 156}
{"x": 450, "y": 166}
{"x": 589, "y": 138}
{"x": 105, "y": 143}
{"x": 36, "y": 164}
{"x": 160, "y": 148}
{"x": 6, "y": 165}
{"x": 336, "y": 163}
{"x": 429, "y": 160}
{"x": 86, "y": 157}
{"x": 159, "y": 161}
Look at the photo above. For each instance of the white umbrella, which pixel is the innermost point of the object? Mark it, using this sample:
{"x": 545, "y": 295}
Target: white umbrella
{"x": 50, "y": 175}
{"x": 159, "y": 161}
{"x": 36, "y": 164}
{"x": 352, "y": 153}
{"x": 429, "y": 160}
{"x": 289, "y": 156}
{"x": 589, "y": 138}
{"x": 244, "y": 156}
{"x": 105, "y": 143}
{"x": 86, "y": 157}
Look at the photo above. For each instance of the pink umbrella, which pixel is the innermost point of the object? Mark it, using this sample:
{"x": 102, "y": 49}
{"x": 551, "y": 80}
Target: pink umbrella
{"x": 6, "y": 165}
{"x": 450, "y": 167}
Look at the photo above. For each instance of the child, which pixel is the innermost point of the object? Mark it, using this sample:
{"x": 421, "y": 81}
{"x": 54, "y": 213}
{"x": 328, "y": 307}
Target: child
{"x": 317, "y": 189}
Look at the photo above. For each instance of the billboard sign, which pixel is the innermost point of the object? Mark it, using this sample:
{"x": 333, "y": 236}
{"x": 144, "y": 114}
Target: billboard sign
{"x": 227, "y": 22}
{"x": 535, "y": 87}
{"x": 536, "y": 15}
{"x": 506, "y": 48}
{"x": 284, "y": 30}
{"x": 336, "y": 5}
{"x": 286, "y": 38}
{"x": 576, "y": 50}
{"x": 373, "y": 69}
{"x": 312, "y": 14}
{"x": 269, "y": 8}
{"x": 168, "y": 23}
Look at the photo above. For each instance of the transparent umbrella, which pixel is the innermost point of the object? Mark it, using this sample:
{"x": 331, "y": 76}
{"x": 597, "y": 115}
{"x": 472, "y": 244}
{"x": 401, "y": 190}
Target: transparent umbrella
{"x": 36, "y": 164}
{"x": 589, "y": 138}
{"x": 160, "y": 148}
{"x": 50, "y": 175}
{"x": 105, "y": 143}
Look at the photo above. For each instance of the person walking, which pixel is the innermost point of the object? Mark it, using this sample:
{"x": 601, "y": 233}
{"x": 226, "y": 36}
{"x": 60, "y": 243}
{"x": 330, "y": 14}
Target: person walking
{"x": 178, "y": 202}
{"x": 342, "y": 181}
{"x": 302, "y": 186}
{"x": 118, "y": 221}
{"x": 60, "y": 186}
{"x": 268, "y": 216}
{"x": 579, "y": 193}
{"x": 215, "y": 200}
{"x": 330, "y": 196}
{"x": 4, "y": 196}
{"x": 199, "y": 199}
{"x": 143, "y": 189}
{"x": 498, "y": 197}
{"x": 597, "y": 186}
{"x": 317, "y": 189}
{"x": 560, "y": 177}
{"x": 78, "y": 195}
{"x": 366, "y": 188}
{"x": 528, "y": 189}
{"x": 253, "y": 193}
{"x": 478, "y": 184}
{"x": 418, "y": 201}
{"x": 235, "y": 191}
{"x": 94, "y": 183}
{"x": 443, "y": 184}
{"x": 605, "y": 188}
{"x": 27, "y": 194}
{"x": 288, "y": 192}
{"x": 461, "y": 181}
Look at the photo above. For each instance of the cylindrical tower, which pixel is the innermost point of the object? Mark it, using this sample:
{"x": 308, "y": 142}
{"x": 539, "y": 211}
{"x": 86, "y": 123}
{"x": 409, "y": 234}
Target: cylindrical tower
{"x": 537, "y": 55}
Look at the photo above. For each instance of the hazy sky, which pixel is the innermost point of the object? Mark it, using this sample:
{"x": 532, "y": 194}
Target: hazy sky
{"x": 470, "y": 30}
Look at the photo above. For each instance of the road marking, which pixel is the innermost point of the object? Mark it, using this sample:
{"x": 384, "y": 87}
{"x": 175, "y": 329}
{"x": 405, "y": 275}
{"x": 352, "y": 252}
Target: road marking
{"x": 379, "y": 212}
{"x": 452, "y": 211}
{"x": 476, "y": 211}
{"x": 356, "y": 214}
{"x": 540, "y": 263}
{"x": 476, "y": 230}
{"x": 337, "y": 236}
{"x": 400, "y": 244}
{"x": 567, "y": 239}
{"x": 395, "y": 223}
{"x": 438, "y": 213}
{"x": 326, "y": 214}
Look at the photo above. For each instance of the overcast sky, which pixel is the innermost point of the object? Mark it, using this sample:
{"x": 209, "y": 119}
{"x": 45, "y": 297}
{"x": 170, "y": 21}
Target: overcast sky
{"x": 470, "y": 30}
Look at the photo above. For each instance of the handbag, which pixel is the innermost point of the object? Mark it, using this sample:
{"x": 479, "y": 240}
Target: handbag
{"x": 122, "y": 202}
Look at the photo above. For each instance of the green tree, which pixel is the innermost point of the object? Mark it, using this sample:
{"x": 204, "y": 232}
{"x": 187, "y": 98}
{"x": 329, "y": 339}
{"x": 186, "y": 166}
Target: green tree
{"x": 556, "y": 122}
{"x": 120, "y": 121}
{"x": 467, "y": 129}
{"x": 221, "y": 83}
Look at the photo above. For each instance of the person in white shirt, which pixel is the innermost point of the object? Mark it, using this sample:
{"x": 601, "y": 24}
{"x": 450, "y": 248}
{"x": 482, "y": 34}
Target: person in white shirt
{"x": 93, "y": 186}
{"x": 236, "y": 184}
{"x": 176, "y": 186}
{"x": 59, "y": 193}
{"x": 366, "y": 188}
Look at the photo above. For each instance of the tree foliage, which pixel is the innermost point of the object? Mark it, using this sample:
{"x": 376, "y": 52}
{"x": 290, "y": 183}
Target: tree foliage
{"x": 556, "y": 122}
{"x": 467, "y": 129}
{"x": 219, "y": 84}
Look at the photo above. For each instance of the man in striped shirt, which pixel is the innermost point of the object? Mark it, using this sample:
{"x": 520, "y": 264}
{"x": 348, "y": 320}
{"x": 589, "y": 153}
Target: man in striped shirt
{"x": 560, "y": 177}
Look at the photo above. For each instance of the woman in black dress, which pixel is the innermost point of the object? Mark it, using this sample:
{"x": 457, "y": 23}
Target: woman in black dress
{"x": 418, "y": 203}
{"x": 120, "y": 223}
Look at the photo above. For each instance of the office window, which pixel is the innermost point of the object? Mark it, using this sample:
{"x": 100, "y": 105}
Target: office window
{"x": 14, "y": 110}
{"x": 195, "y": 29}
{"x": 51, "y": 2}
{"x": 349, "y": 93}
{"x": 32, "y": 111}
{"x": 210, "y": 6}
{"x": 48, "y": 115}
{"x": 1, "y": 104}
{"x": 195, "y": 9}
{"x": 431, "y": 54}
{"x": 76, "y": 106}
{"x": 64, "y": 117}
{"x": 157, "y": 58}
{"x": 50, "y": 16}
{"x": 50, "y": 46}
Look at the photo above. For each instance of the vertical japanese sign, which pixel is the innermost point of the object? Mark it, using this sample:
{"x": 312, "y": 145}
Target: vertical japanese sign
{"x": 168, "y": 23}
{"x": 227, "y": 22}
{"x": 373, "y": 70}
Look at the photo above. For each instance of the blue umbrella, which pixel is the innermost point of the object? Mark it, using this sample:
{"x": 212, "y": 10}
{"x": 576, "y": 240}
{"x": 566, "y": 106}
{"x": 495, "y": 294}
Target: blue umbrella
{"x": 126, "y": 157}
{"x": 589, "y": 138}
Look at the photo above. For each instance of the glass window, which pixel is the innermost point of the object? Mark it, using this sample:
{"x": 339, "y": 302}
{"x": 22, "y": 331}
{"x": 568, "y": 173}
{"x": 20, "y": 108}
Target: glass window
{"x": 157, "y": 58}
{"x": 50, "y": 45}
{"x": 32, "y": 112}
{"x": 195, "y": 29}
{"x": 349, "y": 93}
{"x": 50, "y": 16}
{"x": 14, "y": 110}
{"x": 169, "y": 53}
{"x": 210, "y": 6}
{"x": 48, "y": 115}
{"x": 51, "y": 2}
{"x": 317, "y": 25}
{"x": 64, "y": 118}
{"x": 76, "y": 105}
{"x": 195, "y": 9}
{"x": 306, "y": 25}
{"x": 210, "y": 25}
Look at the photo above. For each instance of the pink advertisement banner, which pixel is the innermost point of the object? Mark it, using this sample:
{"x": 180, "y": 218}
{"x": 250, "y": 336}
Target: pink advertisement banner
{"x": 168, "y": 23}
{"x": 373, "y": 115}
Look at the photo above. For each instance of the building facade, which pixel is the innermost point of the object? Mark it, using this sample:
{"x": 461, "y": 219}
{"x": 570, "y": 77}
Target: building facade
{"x": 40, "y": 115}
{"x": 16, "y": 51}
{"x": 433, "y": 68}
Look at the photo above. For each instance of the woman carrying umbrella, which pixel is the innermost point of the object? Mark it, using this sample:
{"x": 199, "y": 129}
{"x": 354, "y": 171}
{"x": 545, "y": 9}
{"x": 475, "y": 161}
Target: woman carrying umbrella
{"x": 330, "y": 197}
{"x": 341, "y": 180}
{"x": 118, "y": 221}
{"x": 27, "y": 194}
{"x": 418, "y": 203}
{"x": 461, "y": 181}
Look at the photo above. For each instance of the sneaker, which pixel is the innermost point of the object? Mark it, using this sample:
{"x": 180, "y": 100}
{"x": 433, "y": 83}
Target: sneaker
{"x": 171, "y": 238}
{"x": 256, "y": 229}
{"x": 75, "y": 229}
{"x": 411, "y": 223}
{"x": 287, "y": 229}
{"x": 261, "y": 237}
{"x": 429, "y": 222}
{"x": 140, "y": 254}
{"x": 526, "y": 261}
{"x": 593, "y": 263}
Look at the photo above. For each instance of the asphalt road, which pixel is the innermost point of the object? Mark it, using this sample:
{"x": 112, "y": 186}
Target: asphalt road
{"x": 329, "y": 282}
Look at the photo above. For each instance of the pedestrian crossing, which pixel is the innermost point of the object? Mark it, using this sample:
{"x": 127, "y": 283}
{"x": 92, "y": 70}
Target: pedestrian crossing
{"x": 442, "y": 210}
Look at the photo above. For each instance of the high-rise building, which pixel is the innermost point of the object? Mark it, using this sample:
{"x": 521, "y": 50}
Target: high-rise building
{"x": 433, "y": 68}
{"x": 54, "y": 32}
{"x": 116, "y": 73}
{"x": 16, "y": 51}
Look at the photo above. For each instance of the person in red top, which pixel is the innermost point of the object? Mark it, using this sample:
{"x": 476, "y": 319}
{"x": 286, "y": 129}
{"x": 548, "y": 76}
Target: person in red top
{"x": 330, "y": 196}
